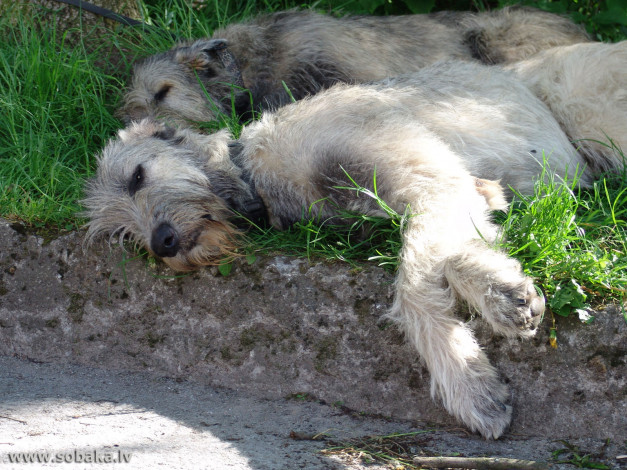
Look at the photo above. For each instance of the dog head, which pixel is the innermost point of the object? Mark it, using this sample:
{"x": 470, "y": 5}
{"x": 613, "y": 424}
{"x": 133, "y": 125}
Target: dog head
{"x": 189, "y": 83}
{"x": 172, "y": 192}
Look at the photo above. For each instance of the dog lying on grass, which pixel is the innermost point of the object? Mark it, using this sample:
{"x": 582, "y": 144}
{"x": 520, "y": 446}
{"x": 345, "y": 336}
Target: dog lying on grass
{"x": 244, "y": 65}
{"x": 434, "y": 142}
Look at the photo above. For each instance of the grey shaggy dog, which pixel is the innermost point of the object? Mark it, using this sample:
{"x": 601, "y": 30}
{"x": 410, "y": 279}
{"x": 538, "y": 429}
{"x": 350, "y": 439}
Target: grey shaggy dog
{"x": 428, "y": 137}
{"x": 310, "y": 52}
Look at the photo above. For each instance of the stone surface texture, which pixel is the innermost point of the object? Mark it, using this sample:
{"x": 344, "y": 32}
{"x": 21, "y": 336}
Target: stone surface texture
{"x": 285, "y": 326}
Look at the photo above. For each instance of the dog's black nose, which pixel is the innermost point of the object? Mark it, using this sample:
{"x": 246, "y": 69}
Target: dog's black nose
{"x": 165, "y": 241}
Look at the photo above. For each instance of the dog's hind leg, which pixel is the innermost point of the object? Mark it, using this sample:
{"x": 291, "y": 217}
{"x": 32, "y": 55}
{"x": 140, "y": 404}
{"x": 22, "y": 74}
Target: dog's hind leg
{"x": 589, "y": 102}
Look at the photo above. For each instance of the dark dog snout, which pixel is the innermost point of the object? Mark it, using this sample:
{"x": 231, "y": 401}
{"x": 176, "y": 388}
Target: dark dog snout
{"x": 164, "y": 241}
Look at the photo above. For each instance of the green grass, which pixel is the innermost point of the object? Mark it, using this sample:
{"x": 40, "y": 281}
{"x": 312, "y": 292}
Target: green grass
{"x": 58, "y": 93}
{"x": 605, "y": 20}
{"x": 53, "y": 122}
{"x": 359, "y": 238}
{"x": 573, "y": 241}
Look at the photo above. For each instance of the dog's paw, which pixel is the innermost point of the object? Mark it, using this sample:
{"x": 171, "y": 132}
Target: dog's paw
{"x": 479, "y": 400}
{"x": 488, "y": 416}
{"x": 513, "y": 310}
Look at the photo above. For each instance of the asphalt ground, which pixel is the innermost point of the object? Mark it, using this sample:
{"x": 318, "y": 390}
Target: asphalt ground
{"x": 83, "y": 417}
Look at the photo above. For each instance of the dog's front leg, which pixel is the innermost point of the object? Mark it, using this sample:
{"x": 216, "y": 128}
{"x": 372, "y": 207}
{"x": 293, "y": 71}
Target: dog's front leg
{"x": 461, "y": 374}
{"x": 443, "y": 230}
{"x": 496, "y": 286}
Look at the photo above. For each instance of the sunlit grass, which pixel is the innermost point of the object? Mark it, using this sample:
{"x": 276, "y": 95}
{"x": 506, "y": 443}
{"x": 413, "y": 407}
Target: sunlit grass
{"x": 54, "y": 120}
{"x": 574, "y": 241}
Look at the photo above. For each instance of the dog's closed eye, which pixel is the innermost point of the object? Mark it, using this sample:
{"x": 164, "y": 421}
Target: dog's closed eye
{"x": 162, "y": 93}
{"x": 137, "y": 180}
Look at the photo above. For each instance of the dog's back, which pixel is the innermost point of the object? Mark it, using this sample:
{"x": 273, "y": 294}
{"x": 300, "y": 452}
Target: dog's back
{"x": 309, "y": 52}
{"x": 488, "y": 119}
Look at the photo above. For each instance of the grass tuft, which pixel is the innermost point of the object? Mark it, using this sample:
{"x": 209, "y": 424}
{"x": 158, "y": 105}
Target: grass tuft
{"x": 350, "y": 237}
{"x": 574, "y": 241}
{"x": 396, "y": 449}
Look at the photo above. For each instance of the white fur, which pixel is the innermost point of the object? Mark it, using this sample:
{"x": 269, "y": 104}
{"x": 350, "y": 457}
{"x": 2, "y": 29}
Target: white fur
{"x": 585, "y": 86}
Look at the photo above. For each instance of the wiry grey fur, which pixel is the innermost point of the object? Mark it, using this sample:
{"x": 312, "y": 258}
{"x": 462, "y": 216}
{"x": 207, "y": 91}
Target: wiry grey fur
{"x": 428, "y": 136}
{"x": 309, "y": 52}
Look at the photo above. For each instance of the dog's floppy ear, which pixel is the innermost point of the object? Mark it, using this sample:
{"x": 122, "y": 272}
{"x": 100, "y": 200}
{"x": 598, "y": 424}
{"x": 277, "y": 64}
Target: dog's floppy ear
{"x": 144, "y": 128}
{"x": 200, "y": 53}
